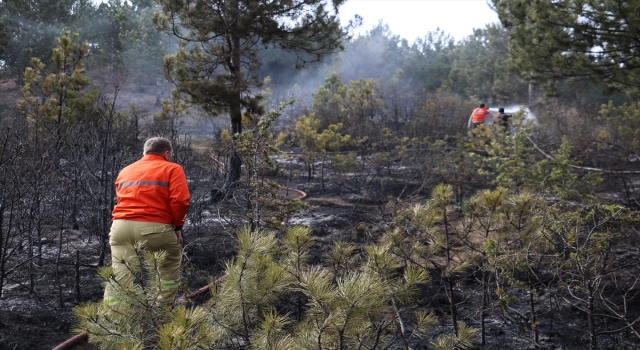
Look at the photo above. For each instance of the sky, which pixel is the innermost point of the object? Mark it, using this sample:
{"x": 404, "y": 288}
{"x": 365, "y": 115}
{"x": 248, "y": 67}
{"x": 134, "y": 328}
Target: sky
{"x": 412, "y": 19}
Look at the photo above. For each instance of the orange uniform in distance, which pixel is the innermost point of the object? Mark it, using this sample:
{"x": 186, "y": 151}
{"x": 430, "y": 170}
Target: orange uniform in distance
{"x": 479, "y": 114}
{"x": 152, "y": 190}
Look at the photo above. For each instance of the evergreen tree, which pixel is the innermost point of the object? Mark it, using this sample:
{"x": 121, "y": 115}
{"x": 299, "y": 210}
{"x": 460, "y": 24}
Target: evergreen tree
{"x": 138, "y": 319}
{"x": 326, "y": 100}
{"x": 574, "y": 39}
{"x": 53, "y": 97}
{"x": 478, "y": 68}
{"x": 432, "y": 239}
{"x": 428, "y": 61}
{"x": 588, "y": 270}
{"x": 216, "y": 63}
{"x": 330, "y": 140}
{"x": 29, "y": 28}
{"x": 144, "y": 47}
{"x": 621, "y": 129}
{"x": 369, "y": 302}
{"x": 114, "y": 21}
{"x": 305, "y": 134}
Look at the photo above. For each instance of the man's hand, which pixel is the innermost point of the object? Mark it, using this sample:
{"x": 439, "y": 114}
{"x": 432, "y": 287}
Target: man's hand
{"x": 179, "y": 235}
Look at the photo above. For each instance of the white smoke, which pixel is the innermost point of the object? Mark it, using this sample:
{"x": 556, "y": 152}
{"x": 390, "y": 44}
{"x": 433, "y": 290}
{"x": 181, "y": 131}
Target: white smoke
{"x": 517, "y": 108}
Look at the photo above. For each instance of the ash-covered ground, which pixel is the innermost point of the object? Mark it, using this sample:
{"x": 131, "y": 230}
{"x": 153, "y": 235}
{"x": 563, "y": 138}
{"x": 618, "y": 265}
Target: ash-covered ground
{"x": 44, "y": 319}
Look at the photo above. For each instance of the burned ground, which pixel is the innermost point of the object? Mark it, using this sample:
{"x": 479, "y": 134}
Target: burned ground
{"x": 351, "y": 208}
{"x": 38, "y": 321}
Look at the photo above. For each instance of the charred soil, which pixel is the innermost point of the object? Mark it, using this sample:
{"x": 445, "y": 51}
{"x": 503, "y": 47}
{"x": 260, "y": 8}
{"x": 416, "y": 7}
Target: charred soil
{"x": 42, "y": 318}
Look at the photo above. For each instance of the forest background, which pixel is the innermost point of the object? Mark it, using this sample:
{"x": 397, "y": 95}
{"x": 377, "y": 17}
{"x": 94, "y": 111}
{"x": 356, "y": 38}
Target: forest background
{"x": 420, "y": 234}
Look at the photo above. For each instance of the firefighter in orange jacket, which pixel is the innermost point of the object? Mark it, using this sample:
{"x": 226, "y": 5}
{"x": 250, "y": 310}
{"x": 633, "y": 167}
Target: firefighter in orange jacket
{"x": 478, "y": 116}
{"x": 153, "y": 199}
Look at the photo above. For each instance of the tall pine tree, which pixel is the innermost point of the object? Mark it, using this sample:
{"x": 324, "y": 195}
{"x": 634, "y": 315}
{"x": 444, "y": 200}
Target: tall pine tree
{"x": 28, "y": 29}
{"x": 574, "y": 39}
{"x": 216, "y": 63}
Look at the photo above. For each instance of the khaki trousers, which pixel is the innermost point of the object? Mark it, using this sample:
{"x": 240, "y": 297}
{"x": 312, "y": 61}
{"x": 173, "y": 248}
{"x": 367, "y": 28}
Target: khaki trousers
{"x": 158, "y": 237}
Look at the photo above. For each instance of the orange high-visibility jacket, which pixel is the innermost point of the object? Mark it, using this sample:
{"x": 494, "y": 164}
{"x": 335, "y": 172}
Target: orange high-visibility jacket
{"x": 152, "y": 190}
{"x": 479, "y": 114}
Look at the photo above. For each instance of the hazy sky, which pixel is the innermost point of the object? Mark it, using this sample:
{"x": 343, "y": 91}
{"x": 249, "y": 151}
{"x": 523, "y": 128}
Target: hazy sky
{"x": 411, "y": 19}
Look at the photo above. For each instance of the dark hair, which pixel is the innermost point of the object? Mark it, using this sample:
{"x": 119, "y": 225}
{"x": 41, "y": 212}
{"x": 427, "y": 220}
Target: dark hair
{"x": 481, "y": 105}
{"x": 501, "y": 110}
{"x": 156, "y": 145}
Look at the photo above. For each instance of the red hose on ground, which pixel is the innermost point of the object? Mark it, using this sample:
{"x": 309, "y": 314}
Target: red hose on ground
{"x": 302, "y": 194}
{"x": 72, "y": 341}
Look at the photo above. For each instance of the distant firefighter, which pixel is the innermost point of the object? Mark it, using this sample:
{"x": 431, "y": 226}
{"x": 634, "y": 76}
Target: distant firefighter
{"x": 478, "y": 116}
{"x": 503, "y": 120}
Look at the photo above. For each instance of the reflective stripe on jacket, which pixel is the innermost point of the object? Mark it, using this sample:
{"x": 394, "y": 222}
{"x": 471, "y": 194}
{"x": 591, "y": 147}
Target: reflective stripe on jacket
{"x": 152, "y": 190}
{"x": 479, "y": 114}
